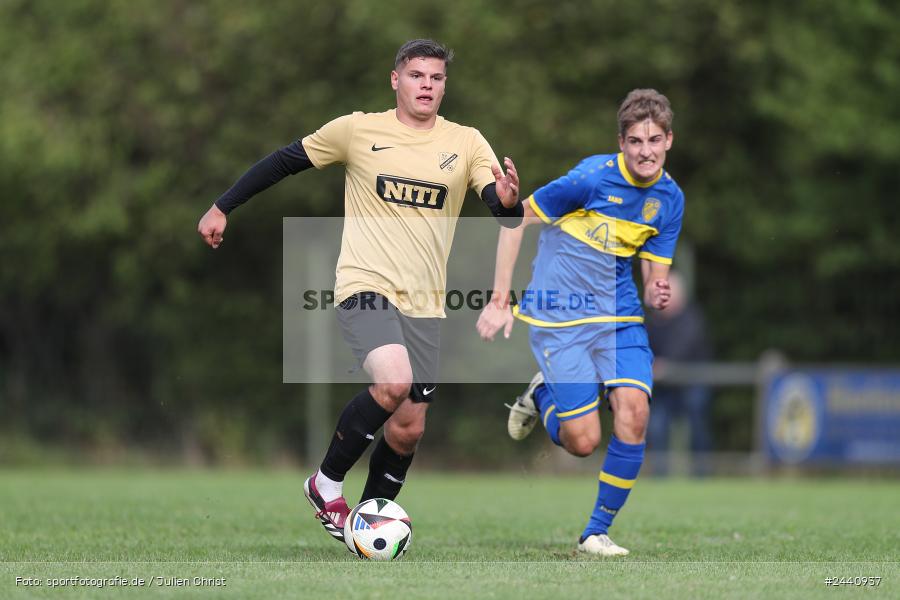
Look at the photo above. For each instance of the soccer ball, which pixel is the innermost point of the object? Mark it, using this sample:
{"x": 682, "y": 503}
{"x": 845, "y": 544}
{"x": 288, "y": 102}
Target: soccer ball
{"x": 378, "y": 529}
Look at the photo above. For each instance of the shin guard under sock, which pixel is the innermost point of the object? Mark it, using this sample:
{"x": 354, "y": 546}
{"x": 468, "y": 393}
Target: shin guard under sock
{"x": 387, "y": 472}
{"x": 356, "y": 428}
{"x": 620, "y": 470}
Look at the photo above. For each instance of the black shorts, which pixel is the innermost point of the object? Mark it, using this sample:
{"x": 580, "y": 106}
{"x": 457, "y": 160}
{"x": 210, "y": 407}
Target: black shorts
{"x": 369, "y": 320}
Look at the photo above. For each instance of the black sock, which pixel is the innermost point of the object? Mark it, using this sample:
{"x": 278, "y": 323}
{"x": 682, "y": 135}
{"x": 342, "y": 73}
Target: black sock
{"x": 387, "y": 471}
{"x": 356, "y": 428}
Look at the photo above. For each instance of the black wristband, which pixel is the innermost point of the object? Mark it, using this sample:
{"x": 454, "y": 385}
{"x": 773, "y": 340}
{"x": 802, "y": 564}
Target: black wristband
{"x": 507, "y": 217}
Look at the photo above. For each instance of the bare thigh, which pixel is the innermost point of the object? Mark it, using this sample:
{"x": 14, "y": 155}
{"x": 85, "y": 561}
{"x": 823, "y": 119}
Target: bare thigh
{"x": 391, "y": 374}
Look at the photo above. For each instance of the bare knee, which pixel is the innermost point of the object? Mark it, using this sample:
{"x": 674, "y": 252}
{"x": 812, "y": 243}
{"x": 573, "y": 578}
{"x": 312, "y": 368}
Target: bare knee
{"x": 581, "y": 436}
{"x": 404, "y": 436}
{"x": 583, "y": 444}
{"x": 391, "y": 395}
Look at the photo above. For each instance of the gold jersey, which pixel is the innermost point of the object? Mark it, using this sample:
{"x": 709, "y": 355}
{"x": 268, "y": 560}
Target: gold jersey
{"x": 403, "y": 193}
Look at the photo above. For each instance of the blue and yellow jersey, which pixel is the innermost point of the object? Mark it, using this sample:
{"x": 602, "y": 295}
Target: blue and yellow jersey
{"x": 599, "y": 218}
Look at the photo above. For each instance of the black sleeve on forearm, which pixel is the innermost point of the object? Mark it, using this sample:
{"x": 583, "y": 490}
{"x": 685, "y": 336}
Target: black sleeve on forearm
{"x": 288, "y": 161}
{"x": 507, "y": 217}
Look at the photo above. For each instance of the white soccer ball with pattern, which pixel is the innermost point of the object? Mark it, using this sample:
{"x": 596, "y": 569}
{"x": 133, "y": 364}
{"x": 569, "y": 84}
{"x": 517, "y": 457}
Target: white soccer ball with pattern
{"x": 378, "y": 529}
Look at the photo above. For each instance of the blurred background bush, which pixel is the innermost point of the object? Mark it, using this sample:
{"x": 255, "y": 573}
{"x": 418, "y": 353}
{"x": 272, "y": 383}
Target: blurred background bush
{"x": 123, "y": 337}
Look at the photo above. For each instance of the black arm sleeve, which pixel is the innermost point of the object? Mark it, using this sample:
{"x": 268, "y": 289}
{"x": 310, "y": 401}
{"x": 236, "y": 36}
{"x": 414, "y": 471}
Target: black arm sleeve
{"x": 507, "y": 217}
{"x": 288, "y": 161}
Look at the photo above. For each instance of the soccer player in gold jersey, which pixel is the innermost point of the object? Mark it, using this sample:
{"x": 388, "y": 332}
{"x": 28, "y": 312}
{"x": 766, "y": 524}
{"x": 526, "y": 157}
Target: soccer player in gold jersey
{"x": 407, "y": 172}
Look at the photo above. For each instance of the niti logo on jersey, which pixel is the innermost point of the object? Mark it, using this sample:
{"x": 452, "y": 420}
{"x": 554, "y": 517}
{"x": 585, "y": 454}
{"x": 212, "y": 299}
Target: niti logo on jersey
{"x": 411, "y": 192}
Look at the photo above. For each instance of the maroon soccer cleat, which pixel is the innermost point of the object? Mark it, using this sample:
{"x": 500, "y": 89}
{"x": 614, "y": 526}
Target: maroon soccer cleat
{"x": 332, "y": 514}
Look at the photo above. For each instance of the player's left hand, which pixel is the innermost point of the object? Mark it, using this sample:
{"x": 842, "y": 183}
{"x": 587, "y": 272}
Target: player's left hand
{"x": 507, "y": 185}
{"x": 658, "y": 294}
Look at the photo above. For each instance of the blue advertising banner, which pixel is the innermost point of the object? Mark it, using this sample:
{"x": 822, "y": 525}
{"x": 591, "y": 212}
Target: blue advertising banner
{"x": 833, "y": 416}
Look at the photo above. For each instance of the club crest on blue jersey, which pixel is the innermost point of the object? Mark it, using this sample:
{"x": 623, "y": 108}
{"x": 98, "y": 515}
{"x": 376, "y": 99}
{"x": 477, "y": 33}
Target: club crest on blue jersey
{"x": 651, "y": 209}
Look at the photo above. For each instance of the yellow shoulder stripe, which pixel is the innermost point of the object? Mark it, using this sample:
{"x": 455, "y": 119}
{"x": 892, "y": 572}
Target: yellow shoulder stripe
{"x": 537, "y": 210}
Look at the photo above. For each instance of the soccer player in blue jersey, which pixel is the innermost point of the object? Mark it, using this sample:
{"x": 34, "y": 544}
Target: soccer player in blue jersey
{"x": 583, "y": 307}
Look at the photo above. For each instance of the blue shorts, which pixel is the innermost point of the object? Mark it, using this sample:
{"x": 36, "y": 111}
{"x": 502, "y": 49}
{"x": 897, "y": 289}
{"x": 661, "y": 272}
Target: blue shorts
{"x": 581, "y": 361}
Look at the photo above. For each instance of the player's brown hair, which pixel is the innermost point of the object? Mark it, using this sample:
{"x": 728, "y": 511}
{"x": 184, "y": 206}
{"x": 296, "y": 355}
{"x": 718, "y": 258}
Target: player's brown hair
{"x": 422, "y": 49}
{"x": 642, "y": 104}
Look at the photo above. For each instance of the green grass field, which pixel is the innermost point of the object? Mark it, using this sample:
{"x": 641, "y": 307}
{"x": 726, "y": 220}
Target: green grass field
{"x": 496, "y": 536}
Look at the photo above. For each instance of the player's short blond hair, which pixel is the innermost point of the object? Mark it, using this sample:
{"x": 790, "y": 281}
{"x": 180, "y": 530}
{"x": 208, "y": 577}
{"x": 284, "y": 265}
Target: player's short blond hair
{"x": 642, "y": 104}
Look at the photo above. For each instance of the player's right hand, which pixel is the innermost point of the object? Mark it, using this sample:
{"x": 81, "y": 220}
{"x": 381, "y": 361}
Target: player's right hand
{"x": 493, "y": 318}
{"x": 212, "y": 226}
{"x": 658, "y": 294}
